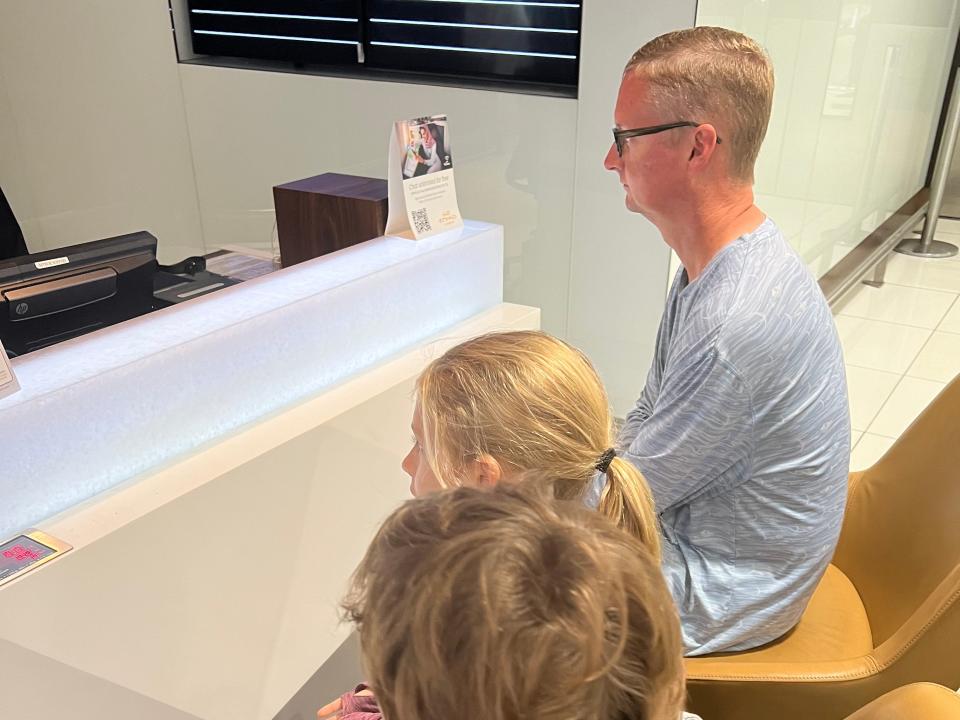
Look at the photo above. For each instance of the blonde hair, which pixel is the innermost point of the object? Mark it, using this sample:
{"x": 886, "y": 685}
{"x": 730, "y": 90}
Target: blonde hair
{"x": 537, "y": 406}
{"x": 712, "y": 75}
{"x": 507, "y": 604}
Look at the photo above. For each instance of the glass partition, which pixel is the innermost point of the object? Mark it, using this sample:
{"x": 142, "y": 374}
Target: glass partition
{"x": 859, "y": 90}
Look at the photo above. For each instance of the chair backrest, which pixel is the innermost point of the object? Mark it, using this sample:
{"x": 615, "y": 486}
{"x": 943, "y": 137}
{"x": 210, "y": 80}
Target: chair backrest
{"x": 900, "y": 541}
{"x": 913, "y": 702}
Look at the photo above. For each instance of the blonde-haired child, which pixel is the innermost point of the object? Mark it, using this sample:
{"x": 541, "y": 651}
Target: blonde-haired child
{"x": 521, "y": 405}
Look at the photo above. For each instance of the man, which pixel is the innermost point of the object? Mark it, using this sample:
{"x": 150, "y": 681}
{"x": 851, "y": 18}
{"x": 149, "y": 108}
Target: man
{"x": 743, "y": 427}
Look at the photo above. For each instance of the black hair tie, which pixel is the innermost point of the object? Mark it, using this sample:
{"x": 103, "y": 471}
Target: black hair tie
{"x": 603, "y": 464}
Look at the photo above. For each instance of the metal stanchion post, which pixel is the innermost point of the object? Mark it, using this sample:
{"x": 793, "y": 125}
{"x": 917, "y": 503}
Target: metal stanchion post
{"x": 925, "y": 246}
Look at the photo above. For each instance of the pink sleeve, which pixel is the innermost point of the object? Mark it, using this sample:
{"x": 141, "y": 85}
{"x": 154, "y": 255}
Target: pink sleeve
{"x": 359, "y": 707}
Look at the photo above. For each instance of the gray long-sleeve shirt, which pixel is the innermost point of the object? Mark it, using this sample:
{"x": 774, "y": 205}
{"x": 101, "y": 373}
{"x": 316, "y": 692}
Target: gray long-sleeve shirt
{"x": 743, "y": 432}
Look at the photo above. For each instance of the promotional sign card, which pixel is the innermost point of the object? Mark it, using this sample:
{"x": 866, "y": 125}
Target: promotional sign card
{"x": 421, "y": 192}
{"x": 8, "y": 381}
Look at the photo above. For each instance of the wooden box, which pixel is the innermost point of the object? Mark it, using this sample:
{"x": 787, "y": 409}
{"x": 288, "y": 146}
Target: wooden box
{"x": 320, "y": 214}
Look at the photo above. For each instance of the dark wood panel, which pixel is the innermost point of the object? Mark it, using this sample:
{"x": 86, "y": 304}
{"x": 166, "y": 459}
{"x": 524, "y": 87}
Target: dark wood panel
{"x": 328, "y": 212}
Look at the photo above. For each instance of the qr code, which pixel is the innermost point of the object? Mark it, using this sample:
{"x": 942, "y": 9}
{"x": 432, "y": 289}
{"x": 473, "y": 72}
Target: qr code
{"x": 421, "y": 222}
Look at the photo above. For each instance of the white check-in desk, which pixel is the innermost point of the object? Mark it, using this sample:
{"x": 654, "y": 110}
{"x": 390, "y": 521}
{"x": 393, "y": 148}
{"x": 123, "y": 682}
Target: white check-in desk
{"x": 219, "y": 468}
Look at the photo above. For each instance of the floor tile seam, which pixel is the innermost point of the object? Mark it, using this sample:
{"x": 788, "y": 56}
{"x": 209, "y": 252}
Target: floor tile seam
{"x": 928, "y": 379}
{"x": 880, "y": 410}
{"x": 889, "y": 322}
{"x": 954, "y": 304}
{"x": 860, "y": 440}
{"x": 906, "y": 373}
{"x": 873, "y": 416}
{"x": 876, "y": 434}
{"x": 899, "y": 374}
{"x": 899, "y": 383}
{"x": 914, "y": 287}
{"x": 924, "y": 287}
{"x": 909, "y": 363}
{"x": 894, "y": 322}
{"x": 864, "y": 367}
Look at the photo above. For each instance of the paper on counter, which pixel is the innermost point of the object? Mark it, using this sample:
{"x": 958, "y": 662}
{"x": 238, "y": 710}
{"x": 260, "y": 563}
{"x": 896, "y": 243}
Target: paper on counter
{"x": 241, "y": 265}
{"x": 8, "y": 380}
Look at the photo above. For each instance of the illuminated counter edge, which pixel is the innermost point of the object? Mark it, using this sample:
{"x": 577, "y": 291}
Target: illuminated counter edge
{"x": 103, "y": 408}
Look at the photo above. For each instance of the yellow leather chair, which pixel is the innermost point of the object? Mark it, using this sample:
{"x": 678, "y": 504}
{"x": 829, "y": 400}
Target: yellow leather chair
{"x": 887, "y": 611}
{"x": 920, "y": 701}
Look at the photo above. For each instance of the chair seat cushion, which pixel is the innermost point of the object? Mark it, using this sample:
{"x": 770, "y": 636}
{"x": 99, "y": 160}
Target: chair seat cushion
{"x": 920, "y": 700}
{"x": 833, "y": 627}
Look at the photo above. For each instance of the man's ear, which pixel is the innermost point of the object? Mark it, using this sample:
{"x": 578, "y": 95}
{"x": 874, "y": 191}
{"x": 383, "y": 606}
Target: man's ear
{"x": 705, "y": 143}
{"x": 484, "y": 472}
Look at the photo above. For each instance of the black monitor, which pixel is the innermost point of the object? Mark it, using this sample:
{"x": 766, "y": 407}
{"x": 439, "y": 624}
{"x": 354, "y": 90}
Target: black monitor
{"x": 59, "y": 294}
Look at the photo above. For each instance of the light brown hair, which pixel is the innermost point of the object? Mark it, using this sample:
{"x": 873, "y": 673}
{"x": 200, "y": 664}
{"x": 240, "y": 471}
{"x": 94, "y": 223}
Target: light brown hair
{"x": 536, "y": 405}
{"x": 507, "y": 604}
{"x": 712, "y": 75}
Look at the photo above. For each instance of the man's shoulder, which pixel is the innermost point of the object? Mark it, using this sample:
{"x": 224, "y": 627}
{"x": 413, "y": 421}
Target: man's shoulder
{"x": 739, "y": 265}
{"x": 766, "y": 256}
{"x": 758, "y": 289}
{"x": 778, "y": 311}
{"x": 765, "y": 275}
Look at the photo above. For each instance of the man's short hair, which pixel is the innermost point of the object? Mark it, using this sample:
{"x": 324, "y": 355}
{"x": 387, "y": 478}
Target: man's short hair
{"x": 712, "y": 75}
{"x": 508, "y": 603}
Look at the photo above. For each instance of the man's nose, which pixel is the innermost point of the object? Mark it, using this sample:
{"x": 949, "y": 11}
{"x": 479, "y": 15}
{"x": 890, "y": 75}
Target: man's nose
{"x": 612, "y": 160}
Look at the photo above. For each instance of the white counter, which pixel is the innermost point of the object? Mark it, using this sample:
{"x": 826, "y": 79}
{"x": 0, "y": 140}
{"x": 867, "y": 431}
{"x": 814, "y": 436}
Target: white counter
{"x": 207, "y": 586}
{"x": 100, "y": 409}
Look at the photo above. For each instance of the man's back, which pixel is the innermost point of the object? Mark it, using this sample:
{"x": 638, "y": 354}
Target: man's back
{"x": 743, "y": 433}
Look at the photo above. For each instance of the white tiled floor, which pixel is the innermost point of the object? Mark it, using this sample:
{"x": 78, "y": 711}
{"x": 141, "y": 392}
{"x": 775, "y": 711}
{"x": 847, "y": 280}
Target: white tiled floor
{"x": 901, "y": 343}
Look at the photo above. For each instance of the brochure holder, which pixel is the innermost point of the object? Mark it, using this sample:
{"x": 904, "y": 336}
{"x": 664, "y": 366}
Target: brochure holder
{"x": 421, "y": 189}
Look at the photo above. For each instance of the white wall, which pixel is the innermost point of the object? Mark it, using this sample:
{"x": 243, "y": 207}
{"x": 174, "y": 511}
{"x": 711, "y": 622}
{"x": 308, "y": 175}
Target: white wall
{"x": 512, "y": 154}
{"x": 93, "y": 137}
{"x": 619, "y": 263}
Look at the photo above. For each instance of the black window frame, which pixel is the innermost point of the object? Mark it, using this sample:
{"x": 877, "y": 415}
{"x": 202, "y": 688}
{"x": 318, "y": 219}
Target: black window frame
{"x": 378, "y": 23}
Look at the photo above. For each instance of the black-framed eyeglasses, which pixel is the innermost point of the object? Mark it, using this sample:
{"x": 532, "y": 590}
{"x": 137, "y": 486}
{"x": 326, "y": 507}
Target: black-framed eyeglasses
{"x": 620, "y": 136}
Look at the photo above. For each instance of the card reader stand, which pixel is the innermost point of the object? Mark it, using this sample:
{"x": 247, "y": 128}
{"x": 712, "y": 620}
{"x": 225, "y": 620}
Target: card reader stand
{"x": 170, "y": 289}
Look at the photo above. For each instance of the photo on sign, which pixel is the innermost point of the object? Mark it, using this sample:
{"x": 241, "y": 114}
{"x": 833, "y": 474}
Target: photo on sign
{"x": 426, "y": 146}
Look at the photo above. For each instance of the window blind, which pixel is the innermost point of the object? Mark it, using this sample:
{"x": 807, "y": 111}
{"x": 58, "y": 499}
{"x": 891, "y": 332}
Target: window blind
{"x": 301, "y": 31}
{"x": 527, "y": 41}
{"x": 498, "y": 41}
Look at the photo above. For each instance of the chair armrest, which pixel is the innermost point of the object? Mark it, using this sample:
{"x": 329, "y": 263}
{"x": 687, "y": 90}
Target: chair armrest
{"x": 725, "y": 669}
